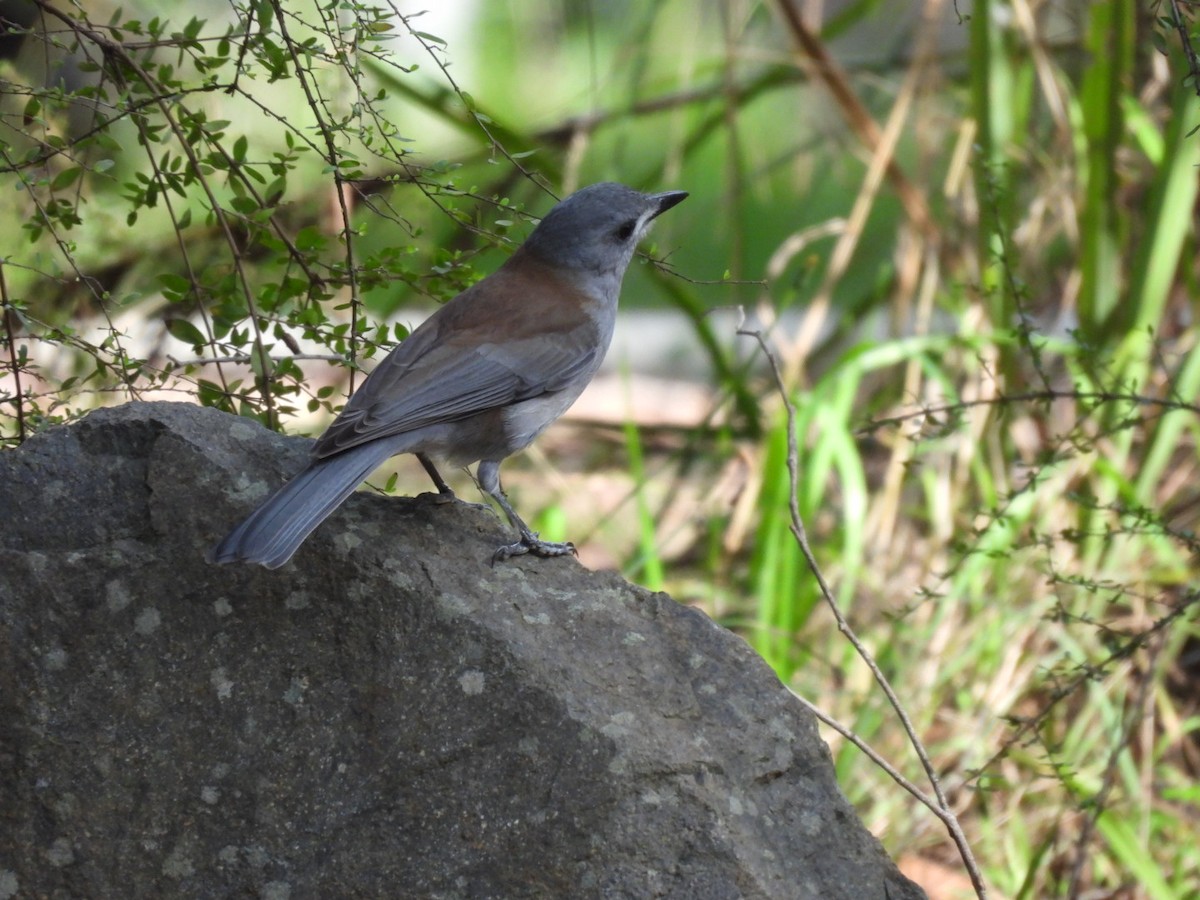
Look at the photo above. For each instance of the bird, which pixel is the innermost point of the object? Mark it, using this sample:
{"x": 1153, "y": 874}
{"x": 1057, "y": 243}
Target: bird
{"x": 478, "y": 380}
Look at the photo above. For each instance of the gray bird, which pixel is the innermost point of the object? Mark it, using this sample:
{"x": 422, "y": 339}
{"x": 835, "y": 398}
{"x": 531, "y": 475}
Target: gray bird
{"x": 480, "y": 379}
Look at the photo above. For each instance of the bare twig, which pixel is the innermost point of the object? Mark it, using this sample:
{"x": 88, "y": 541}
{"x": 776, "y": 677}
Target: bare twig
{"x": 941, "y": 806}
{"x": 245, "y": 359}
{"x": 871, "y": 753}
{"x": 1045, "y": 396}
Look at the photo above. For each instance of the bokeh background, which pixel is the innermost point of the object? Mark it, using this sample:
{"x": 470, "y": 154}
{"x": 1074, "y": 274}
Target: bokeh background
{"x": 966, "y": 232}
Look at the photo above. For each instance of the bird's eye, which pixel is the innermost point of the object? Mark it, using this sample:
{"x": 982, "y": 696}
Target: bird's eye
{"x": 625, "y": 232}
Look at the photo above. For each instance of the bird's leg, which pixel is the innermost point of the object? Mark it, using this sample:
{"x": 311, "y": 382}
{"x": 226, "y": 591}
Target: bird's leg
{"x": 445, "y": 493}
{"x": 489, "y": 480}
{"x": 438, "y": 481}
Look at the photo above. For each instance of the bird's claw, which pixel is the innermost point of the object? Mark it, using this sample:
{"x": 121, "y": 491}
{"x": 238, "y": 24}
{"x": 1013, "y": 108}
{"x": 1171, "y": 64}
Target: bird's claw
{"x": 531, "y": 544}
{"x": 438, "y": 498}
{"x": 441, "y": 498}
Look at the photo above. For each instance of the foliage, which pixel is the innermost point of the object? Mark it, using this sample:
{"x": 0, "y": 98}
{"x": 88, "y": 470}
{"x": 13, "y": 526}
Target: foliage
{"x": 974, "y": 255}
{"x": 217, "y": 173}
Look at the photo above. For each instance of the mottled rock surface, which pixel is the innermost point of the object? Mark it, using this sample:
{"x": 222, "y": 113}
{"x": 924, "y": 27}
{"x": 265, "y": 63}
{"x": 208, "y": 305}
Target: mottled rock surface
{"x": 386, "y": 715}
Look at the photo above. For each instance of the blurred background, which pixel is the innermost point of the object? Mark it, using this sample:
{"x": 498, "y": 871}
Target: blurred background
{"x": 966, "y": 232}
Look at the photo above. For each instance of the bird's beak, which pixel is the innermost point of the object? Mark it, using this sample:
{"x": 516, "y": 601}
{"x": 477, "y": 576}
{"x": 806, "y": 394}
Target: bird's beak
{"x": 666, "y": 200}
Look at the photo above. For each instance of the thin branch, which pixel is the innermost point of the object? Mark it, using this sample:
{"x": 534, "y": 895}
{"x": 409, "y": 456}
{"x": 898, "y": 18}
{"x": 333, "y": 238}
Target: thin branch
{"x": 1088, "y": 672}
{"x": 1099, "y": 803}
{"x": 419, "y": 37}
{"x": 1168, "y": 405}
{"x": 856, "y": 114}
{"x": 331, "y": 160}
{"x": 8, "y": 314}
{"x": 1185, "y": 40}
{"x": 872, "y": 754}
{"x": 243, "y": 359}
{"x": 116, "y": 50}
{"x": 942, "y": 805}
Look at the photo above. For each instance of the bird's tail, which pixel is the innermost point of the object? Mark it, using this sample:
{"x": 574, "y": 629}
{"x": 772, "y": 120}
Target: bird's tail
{"x": 271, "y": 534}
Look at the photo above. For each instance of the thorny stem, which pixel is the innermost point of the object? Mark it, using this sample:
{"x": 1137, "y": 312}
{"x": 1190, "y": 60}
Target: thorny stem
{"x": 1185, "y": 40}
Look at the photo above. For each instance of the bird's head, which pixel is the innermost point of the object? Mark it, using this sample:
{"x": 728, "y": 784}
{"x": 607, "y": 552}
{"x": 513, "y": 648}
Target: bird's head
{"x": 594, "y": 232}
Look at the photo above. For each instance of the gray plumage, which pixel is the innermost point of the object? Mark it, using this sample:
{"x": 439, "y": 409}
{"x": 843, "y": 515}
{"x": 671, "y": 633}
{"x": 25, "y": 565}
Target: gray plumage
{"x": 478, "y": 380}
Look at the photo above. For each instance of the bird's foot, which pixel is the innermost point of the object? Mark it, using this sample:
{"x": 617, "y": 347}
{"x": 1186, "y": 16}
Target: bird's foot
{"x": 530, "y": 543}
{"x": 441, "y": 498}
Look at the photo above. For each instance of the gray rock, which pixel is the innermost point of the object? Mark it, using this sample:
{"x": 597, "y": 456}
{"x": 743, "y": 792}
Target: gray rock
{"x": 388, "y": 715}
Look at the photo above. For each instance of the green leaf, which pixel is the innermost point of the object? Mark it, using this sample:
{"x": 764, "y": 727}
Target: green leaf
{"x": 275, "y": 191}
{"x": 175, "y": 283}
{"x": 310, "y": 238}
{"x": 185, "y": 331}
{"x": 247, "y": 206}
{"x": 66, "y": 178}
{"x": 212, "y": 394}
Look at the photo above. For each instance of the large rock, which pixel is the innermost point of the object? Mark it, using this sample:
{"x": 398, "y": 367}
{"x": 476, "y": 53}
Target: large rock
{"x": 387, "y": 715}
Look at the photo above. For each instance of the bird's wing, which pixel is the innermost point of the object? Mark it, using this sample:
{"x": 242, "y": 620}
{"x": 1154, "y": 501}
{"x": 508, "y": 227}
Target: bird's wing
{"x": 447, "y": 370}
